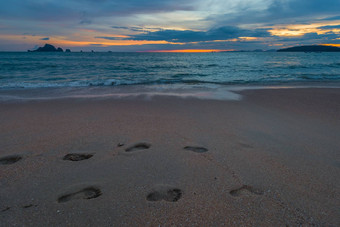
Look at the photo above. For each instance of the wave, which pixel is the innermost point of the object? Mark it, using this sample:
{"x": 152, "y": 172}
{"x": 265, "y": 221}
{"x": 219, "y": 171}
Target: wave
{"x": 28, "y": 70}
{"x": 321, "y": 77}
{"x": 181, "y": 75}
{"x": 114, "y": 82}
{"x": 335, "y": 65}
{"x": 303, "y": 66}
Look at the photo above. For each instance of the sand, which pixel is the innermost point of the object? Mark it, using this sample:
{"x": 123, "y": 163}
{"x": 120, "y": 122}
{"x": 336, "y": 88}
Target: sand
{"x": 270, "y": 159}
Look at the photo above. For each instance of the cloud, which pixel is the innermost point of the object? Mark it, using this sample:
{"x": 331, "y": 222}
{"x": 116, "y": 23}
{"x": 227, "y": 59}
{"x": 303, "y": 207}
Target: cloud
{"x": 179, "y": 36}
{"x": 332, "y": 18}
{"x": 85, "y": 21}
{"x": 330, "y": 27}
{"x": 327, "y": 36}
{"x": 312, "y": 38}
{"x": 136, "y": 28}
{"x": 47, "y": 38}
{"x": 190, "y": 24}
{"x": 108, "y": 37}
{"x": 120, "y": 27}
{"x": 281, "y": 12}
{"x": 57, "y": 10}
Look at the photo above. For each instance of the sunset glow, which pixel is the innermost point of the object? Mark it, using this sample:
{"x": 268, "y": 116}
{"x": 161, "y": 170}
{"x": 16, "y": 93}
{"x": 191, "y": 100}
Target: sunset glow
{"x": 301, "y": 29}
{"x": 168, "y": 26}
{"x": 189, "y": 51}
{"x": 334, "y": 45}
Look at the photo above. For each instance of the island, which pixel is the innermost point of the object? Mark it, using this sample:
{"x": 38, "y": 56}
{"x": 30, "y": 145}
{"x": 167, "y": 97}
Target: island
{"x": 313, "y": 48}
{"x": 47, "y": 48}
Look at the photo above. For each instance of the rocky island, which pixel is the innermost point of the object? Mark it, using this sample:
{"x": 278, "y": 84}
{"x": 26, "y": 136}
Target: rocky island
{"x": 49, "y": 48}
{"x": 313, "y": 48}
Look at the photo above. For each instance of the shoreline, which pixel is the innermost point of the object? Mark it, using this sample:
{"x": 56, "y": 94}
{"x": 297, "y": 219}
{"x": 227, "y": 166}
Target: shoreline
{"x": 268, "y": 159}
{"x": 199, "y": 91}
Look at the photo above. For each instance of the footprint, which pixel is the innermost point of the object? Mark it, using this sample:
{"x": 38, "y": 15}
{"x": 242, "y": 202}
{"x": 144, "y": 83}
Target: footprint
{"x": 196, "y": 149}
{"x": 77, "y": 157}
{"x": 167, "y": 194}
{"x": 86, "y": 193}
{"x": 8, "y": 160}
{"x": 244, "y": 190}
{"x": 138, "y": 146}
{"x": 29, "y": 205}
{"x": 6, "y": 209}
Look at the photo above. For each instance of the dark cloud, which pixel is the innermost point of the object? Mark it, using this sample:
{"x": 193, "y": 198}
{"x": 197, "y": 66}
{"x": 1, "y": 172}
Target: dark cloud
{"x": 310, "y": 38}
{"x": 312, "y": 7}
{"x": 108, "y": 37}
{"x": 330, "y": 27}
{"x": 329, "y": 36}
{"x": 332, "y": 18}
{"x": 178, "y": 36}
{"x": 27, "y": 33}
{"x": 120, "y": 27}
{"x": 135, "y": 28}
{"x": 47, "y": 38}
{"x": 281, "y": 12}
{"x": 56, "y": 10}
{"x": 172, "y": 35}
{"x": 85, "y": 21}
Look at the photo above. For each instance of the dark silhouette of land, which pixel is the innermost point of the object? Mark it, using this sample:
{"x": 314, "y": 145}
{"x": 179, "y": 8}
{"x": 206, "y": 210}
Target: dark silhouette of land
{"x": 314, "y": 48}
{"x": 48, "y": 48}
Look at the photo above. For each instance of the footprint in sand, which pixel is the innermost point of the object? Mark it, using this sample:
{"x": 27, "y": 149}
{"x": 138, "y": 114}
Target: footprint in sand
{"x": 168, "y": 194}
{"x": 196, "y": 149}
{"x": 86, "y": 193}
{"x": 77, "y": 157}
{"x": 245, "y": 190}
{"x": 138, "y": 146}
{"x": 5, "y": 209}
{"x": 120, "y": 144}
{"x": 29, "y": 205}
{"x": 8, "y": 160}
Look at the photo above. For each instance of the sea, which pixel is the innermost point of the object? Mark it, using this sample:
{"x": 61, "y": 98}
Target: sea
{"x": 33, "y": 75}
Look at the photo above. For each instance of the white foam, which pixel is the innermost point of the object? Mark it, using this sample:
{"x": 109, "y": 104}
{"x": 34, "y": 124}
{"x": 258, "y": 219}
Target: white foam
{"x": 148, "y": 92}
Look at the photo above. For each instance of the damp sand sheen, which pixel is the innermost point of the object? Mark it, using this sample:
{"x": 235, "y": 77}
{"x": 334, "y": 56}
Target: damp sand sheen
{"x": 268, "y": 159}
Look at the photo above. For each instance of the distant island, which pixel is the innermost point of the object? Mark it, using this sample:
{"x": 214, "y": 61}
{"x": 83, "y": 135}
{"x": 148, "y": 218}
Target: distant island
{"x": 49, "y": 48}
{"x": 314, "y": 48}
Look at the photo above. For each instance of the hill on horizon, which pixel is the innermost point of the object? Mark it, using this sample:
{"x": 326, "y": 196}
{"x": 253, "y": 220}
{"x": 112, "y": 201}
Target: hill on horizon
{"x": 312, "y": 48}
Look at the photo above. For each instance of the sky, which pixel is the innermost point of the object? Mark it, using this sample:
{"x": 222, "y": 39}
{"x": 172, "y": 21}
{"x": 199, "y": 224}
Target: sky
{"x": 168, "y": 25}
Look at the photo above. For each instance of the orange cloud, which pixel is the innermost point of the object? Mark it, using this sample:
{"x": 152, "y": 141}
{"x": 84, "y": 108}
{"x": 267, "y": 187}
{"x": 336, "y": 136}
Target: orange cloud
{"x": 301, "y": 29}
{"x": 77, "y": 40}
{"x": 276, "y": 44}
{"x": 107, "y": 43}
{"x": 189, "y": 51}
{"x": 249, "y": 38}
{"x": 334, "y": 45}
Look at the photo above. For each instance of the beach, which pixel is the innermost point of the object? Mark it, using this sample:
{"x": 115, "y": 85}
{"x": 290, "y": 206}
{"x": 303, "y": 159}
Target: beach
{"x": 268, "y": 159}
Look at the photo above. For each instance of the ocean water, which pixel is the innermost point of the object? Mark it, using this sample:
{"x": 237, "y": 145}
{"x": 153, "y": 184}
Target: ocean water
{"x": 177, "y": 71}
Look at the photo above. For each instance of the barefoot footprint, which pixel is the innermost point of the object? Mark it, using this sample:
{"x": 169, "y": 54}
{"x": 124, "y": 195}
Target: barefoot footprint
{"x": 245, "y": 189}
{"x": 86, "y": 193}
{"x": 196, "y": 149}
{"x": 8, "y": 160}
{"x": 77, "y": 157}
{"x": 138, "y": 146}
{"x": 168, "y": 194}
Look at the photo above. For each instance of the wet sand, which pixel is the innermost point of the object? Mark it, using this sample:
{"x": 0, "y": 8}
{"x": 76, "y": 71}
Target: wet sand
{"x": 271, "y": 159}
